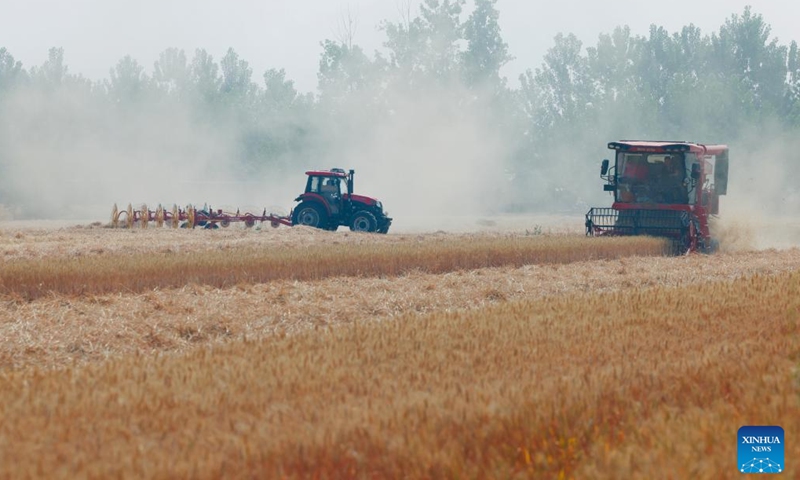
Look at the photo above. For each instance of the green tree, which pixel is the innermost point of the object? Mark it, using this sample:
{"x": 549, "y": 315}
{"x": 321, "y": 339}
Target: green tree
{"x": 343, "y": 70}
{"x": 172, "y": 73}
{"x": 791, "y": 110}
{"x": 486, "y": 51}
{"x": 424, "y": 50}
{"x": 53, "y": 71}
{"x": 563, "y": 82}
{"x": 279, "y": 93}
{"x": 11, "y": 71}
{"x": 754, "y": 67}
{"x": 205, "y": 78}
{"x": 127, "y": 83}
{"x": 236, "y": 75}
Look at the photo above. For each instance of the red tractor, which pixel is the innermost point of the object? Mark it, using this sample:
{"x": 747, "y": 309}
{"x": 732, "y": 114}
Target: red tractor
{"x": 663, "y": 188}
{"x": 328, "y": 204}
{"x": 324, "y": 204}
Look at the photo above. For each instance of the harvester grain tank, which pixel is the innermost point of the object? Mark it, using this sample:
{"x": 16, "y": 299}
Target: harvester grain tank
{"x": 666, "y": 189}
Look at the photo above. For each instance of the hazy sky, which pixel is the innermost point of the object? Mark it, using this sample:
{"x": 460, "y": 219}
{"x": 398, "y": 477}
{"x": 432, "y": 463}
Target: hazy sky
{"x": 95, "y": 34}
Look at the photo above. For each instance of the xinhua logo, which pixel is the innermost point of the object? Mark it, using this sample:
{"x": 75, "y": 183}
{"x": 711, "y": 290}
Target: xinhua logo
{"x": 761, "y": 449}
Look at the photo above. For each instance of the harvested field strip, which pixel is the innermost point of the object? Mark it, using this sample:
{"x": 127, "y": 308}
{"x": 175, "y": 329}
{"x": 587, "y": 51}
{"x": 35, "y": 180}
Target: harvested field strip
{"x": 60, "y": 330}
{"x": 30, "y": 279}
{"x": 647, "y": 384}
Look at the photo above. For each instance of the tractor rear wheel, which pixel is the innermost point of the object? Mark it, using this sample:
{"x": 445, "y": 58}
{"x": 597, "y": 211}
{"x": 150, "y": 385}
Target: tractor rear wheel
{"x": 310, "y": 215}
{"x": 363, "y": 221}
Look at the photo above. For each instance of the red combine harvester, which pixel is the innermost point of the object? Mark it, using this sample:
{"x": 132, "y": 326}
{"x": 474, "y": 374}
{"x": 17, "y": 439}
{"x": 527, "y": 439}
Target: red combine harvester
{"x": 325, "y": 204}
{"x": 663, "y": 189}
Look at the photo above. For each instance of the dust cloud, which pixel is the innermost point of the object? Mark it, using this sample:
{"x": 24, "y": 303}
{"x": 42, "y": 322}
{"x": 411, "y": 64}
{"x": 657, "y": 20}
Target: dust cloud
{"x": 762, "y": 207}
{"x": 75, "y": 157}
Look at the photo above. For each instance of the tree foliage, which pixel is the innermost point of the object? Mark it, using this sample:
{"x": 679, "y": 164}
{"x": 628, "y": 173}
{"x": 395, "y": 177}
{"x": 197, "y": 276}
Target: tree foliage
{"x": 685, "y": 84}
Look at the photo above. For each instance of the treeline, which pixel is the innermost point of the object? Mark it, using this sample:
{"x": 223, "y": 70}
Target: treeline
{"x": 433, "y": 96}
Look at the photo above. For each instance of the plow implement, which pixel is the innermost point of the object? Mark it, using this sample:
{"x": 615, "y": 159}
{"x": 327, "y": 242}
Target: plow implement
{"x": 679, "y": 226}
{"x": 191, "y": 217}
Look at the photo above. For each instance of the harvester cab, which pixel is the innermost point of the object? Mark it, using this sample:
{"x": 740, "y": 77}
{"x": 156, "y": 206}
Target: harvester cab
{"x": 329, "y": 201}
{"x": 665, "y": 189}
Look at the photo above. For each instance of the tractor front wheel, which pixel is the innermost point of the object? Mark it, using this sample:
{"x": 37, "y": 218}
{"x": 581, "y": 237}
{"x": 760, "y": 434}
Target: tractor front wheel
{"x": 363, "y": 221}
{"x": 310, "y": 215}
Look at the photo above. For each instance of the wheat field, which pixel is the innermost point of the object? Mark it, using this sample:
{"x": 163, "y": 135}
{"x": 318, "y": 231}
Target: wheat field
{"x": 633, "y": 365}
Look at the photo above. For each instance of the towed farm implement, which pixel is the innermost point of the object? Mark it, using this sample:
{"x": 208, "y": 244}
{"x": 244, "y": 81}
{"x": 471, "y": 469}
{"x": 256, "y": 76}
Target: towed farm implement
{"x": 328, "y": 202}
{"x": 191, "y": 217}
{"x": 667, "y": 189}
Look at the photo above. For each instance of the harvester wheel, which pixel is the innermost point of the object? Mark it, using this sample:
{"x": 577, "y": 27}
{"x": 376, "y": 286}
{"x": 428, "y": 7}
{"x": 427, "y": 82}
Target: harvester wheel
{"x": 249, "y": 221}
{"x": 363, "y": 221}
{"x": 310, "y": 215}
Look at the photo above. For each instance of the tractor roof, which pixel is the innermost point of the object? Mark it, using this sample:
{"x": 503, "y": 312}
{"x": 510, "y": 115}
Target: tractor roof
{"x": 327, "y": 173}
{"x": 666, "y": 146}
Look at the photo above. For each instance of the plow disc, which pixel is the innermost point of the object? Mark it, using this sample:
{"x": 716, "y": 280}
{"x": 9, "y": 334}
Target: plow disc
{"x": 191, "y": 217}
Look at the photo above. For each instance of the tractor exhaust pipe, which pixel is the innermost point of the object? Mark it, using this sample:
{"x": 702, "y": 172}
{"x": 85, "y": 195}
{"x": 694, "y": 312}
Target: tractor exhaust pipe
{"x": 350, "y": 180}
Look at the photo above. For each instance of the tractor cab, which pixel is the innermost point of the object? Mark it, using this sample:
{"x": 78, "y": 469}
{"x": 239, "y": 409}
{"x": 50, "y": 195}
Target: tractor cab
{"x": 329, "y": 201}
{"x": 328, "y": 186}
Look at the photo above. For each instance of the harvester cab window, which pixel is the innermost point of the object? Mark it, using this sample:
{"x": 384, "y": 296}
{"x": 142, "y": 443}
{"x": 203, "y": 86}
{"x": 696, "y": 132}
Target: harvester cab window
{"x": 708, "y": 168}
{"x": 632, "y": 179}
{"x": 633, "y": 167}
{"x": 652, "y": 178}
{"x": 670, "y": 182}
{"x": 708, "y": 162}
